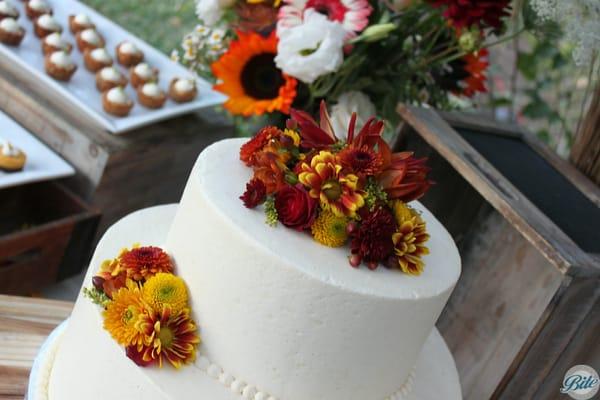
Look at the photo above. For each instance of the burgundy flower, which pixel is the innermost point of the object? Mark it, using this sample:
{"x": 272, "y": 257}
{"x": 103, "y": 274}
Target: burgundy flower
{"x": 137, "y": 357}
{"x": 314, "y": 136}
{"x": 480, "y": 13}
{"x": 295, "y": 208}
{"x": 372, "y": 238}
{"x": 255, "y": 194}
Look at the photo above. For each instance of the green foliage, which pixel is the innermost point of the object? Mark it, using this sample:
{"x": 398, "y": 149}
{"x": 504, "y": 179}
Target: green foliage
{"x": 96, "y": 296}
{"x": 271, "y": 211}
{"x": 375, "y": 194}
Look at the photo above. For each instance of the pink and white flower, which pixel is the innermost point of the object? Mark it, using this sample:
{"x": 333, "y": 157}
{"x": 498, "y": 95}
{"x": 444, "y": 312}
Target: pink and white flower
{"x": 352, "y": 14}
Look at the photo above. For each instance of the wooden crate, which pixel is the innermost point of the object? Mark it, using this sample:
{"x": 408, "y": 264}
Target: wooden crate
{"x": 527, "y": 305}
{"x": 45, "y": 235}
{"x": 117, "y": 173}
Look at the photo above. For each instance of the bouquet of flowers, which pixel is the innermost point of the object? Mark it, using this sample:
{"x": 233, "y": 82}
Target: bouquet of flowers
{"x": 349, "y": 189}
{"x": 362, "y": 56}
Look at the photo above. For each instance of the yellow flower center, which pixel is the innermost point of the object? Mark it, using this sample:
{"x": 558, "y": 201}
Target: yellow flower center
{"x": 332, "y": 190}
{"x": 166, "y": 337}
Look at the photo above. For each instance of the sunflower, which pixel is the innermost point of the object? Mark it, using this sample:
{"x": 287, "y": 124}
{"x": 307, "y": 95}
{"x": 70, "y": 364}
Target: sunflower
{"x": 165, "y": 290}
{"x": 123, "y": 313}
{"x": 168, "y": 337}
{"x": 248, "y": 75}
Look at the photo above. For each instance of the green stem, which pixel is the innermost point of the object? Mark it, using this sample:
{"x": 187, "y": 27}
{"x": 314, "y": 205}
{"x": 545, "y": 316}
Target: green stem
{"x": 505, "y": 39}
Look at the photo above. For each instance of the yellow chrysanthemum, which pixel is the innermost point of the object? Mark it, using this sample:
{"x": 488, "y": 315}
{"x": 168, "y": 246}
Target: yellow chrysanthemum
{"x": 122, "y": 314}
{"x": 165, "y": 289}
{"x": 329, "y": 229}
{"x": 402, "y": 212}
{"x": 409, "y": 239}
{"x": 292, "y": 134}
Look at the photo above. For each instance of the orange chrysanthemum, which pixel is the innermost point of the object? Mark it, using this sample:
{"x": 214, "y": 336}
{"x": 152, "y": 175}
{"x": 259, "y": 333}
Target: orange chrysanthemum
{"x": 168, "y": 337}
{"x": 257, "y": 143}
{"x": 337, "y": 192}
{"x": 248, "y": 75}
{"x": 144, "y": 262}
{"x": 362, "y": 161}
{"x": 123, "y": 313}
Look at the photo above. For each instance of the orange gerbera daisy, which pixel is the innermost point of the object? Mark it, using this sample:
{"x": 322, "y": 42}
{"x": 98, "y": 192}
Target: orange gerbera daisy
{"x": 248, "y": 75}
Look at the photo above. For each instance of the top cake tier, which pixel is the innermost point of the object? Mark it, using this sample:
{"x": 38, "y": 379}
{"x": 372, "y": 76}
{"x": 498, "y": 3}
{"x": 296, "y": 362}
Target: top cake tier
{"x": 288, "y": 315}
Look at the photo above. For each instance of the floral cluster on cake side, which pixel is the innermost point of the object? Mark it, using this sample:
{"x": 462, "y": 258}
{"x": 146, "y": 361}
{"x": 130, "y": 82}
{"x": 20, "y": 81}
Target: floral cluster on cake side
{"x": 145, "y": 307}
{"x": 352, "y": 190}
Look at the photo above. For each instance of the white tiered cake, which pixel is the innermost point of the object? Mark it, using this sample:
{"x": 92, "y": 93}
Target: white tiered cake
{"x": 280, "y": 316}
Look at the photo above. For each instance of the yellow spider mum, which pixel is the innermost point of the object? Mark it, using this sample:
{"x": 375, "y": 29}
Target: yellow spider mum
{"x": 165, "y": 289}
{"x": 123, "y": 313}
{"x": 292, "y": 134}
{"x": 329, "y": 229}
{"x": 409, "y": 239}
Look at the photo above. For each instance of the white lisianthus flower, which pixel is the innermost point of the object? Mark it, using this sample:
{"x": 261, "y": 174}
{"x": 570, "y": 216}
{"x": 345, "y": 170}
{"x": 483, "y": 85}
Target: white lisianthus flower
{"x": 211, "y": 11}
{"x": 348, "y": 103}
{"x": 311, "y": 49}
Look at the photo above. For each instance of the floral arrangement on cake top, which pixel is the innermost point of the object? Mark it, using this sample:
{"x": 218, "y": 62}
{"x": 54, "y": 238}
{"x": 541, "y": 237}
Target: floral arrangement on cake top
{"x": 268, "y": 56}
{"x": 145, "y": 307}
{"x": 341, "y": 190}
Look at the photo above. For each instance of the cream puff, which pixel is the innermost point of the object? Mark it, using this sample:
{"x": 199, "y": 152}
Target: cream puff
{"x": 89, "y": 39}
{"x": 108, "y": 78}
{"x": 142, "y": 73}
{"x": 8, "y": 10}
{"x": 11, "y": 33}
{"x": 12, "y": 159}
{"x": 150, "y": 95}
{"x": 60, "y": 65}
{"x": 96, "y": 59}
{"x": 36, "y": 8}
{"x": 116, "y": 102}
{"x": 55, "y": 42}
{"x": 45, "y": 25}
{"x": 80, "y": 22}
{"x": 183, "y": 90}
{"x": 129, "y": 54}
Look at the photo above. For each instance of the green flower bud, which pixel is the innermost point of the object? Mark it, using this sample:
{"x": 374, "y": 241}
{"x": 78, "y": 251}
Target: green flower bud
{"x": 377, "y": 32}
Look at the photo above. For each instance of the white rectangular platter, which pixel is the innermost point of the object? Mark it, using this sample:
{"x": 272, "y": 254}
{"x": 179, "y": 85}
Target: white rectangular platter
{"x": 81, "y": 90}
{"x": 42, "y": 163}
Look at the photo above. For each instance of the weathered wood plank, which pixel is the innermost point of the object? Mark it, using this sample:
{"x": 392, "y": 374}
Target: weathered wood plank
{"x": 560, "y": 250}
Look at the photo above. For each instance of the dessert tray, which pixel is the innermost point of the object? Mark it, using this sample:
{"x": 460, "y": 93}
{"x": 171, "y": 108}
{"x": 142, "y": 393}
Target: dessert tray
{"x": 81, "y": 91}
{"x": 42, "y": 163}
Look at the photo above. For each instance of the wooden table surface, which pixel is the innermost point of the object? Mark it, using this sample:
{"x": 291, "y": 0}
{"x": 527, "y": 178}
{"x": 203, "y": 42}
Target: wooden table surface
{"x": 24, "y": 325}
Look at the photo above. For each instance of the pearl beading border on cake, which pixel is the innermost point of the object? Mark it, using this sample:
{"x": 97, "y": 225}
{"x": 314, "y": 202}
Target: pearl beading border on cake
{"x": 251, "y": 392}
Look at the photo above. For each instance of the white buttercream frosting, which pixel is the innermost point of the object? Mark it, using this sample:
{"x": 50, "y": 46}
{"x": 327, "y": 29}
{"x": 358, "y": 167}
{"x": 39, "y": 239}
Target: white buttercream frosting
{"x": 152, "y": 90}
{"x": 101, "y": 55}
{"x": 111, "y": 74}
{"x": 117, "y": 95}
{"x": 8, "y": 149}
{"x": 10, "y": 25}
{"x": 56, "y": 40}
{"x": 61, "y": 59}
{"x": 128, "y": 48}
{"x": 39, "y": 5}
{"x": 91, "y": 36}
{"x": 48, "y": 22}
{"x": 82, "y": 19}
{"x": 144, "y": 71}
{"x": 185, "y": 85}
{"x": 6, "y": 8}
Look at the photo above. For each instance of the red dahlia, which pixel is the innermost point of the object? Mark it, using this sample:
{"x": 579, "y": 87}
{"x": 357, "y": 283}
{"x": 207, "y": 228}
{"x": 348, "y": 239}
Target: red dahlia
{"x": 362, "y": 161}
{"x": 372, "y": 239}
{"x": 255, "y": 194}
{"x": 249, "y": 149}
{"x": 480, "y": 13}
{"x": 144, "y": 262}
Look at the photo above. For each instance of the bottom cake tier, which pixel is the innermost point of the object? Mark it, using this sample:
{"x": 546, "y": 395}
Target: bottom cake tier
{"x": 63, "y": 371}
